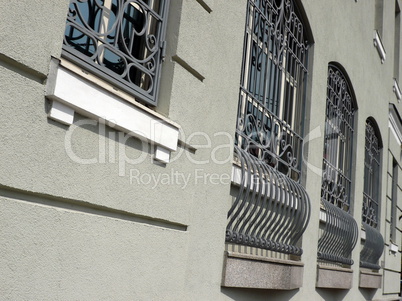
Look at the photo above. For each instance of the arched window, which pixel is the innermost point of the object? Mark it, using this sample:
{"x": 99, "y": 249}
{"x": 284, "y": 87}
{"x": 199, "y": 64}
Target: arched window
{"x": 338, "y": 140}
{"x": 274, "y": 72}
{"x": 269, "y": 130}
{"x": 371, "y": 176}
{"x": 373, "y": 240}
{"x": 339, "y": 235}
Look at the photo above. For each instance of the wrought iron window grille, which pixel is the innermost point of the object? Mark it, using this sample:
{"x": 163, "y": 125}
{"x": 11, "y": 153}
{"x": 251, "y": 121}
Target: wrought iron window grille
{"x": 274, "y": 72}
{"x": 121, "y": 41}
{"x": 272, "y": 209}
{"x": 339, "y": 236}
{"x": 371, "y": 177}
{"x": 374, "y": 242}
{"x": 338, "y": 141}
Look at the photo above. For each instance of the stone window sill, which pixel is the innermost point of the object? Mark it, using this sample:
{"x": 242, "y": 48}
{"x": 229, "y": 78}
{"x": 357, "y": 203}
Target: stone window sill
{"x": 73, "y": 90}
{"x": 250, "y": 271}
{"x": 334, "y": 277}
{"x": 369, "y": 279}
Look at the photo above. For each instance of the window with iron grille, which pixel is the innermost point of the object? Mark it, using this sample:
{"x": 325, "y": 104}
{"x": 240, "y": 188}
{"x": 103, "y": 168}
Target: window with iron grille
{"x": 271, "y": 209}
{"x": 121, "y": 41}
{"x": 274, "y": 72}
{"x": 339, "y": 228}
{"x": 338, "y": 140}
{"x": 371, "y": 176}
{"x": 374, "y": 242}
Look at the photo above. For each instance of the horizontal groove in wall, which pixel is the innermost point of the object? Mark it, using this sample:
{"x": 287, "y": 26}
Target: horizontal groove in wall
{"x": 186, "y": 66}
{"x": 22, "y": 69}
{"x": 87, "y": 208}
{"x": 205, "y": 6}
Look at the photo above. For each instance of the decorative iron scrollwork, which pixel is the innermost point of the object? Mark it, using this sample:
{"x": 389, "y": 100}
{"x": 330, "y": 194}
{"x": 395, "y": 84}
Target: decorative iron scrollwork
{"x": 340, "y": 230}
{"x": 338, "y": 141}
{"x": 121, "y": 39}
{"x": 271, "y": 106}
{"x": 272, "y": 209}
{"x": 371, "y": 177}
{"x": 374, "y": 242}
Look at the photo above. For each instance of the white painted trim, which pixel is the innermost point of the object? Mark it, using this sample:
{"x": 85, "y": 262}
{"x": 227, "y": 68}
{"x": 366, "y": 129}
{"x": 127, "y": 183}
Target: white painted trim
{"x": 395, "y": 129}
{"x": 323, "y": 216}
{"x": 61, "y": 113}
{"x": 362, "y": 234}
{"x": 254, "y": 180}
{"x": 106, "y": 86}
{"x": 380, "y": 47}
{"x": 236, "y": 175}
{"x": 162, "y": 154}
{"x": 392, "y": 129}
{"x": 80, "y": 95}
{"x": 397, "y": 90}
{"x": 393, "y": 249}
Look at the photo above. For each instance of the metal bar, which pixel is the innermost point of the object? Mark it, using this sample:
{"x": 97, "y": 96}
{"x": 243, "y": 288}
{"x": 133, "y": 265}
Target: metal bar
{"x": 271, "y": 211}
{"x": 372, "y": 248}
{"x": 339, "y": 235}
{"x": 126, "y": 56}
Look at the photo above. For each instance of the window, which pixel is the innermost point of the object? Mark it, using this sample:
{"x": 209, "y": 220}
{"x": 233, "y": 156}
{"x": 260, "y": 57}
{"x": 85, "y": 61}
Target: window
{"x": 397, "y": 51}
{"x": 394, "y": 194}
{"x": 397, "y": 40}
{"x": 338, "y": 140}
{"x": 379, "y": 16}
{"x": 339, "y": 235}
{"x": 269, "y": 130}
{"x": 378, "y": 29}
{"x": 271, "y": 104}
{"x": 373, "y": 241}
{"x": 371, "y": 177}
{"x": 121, "y": 41}
{"x": 112, "y": 54}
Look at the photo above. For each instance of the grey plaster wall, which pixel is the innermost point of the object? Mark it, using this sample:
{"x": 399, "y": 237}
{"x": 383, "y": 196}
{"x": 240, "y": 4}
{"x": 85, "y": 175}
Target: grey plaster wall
{"x": 90, "y": 231}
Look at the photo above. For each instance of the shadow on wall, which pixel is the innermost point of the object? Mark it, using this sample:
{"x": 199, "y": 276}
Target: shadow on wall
{"x": 247, "y": 294}
{"x": 368, "y": 294}
{"x": 333, "y": 294}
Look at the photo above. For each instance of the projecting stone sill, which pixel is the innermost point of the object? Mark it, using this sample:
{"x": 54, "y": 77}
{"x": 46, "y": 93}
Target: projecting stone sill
{"x": 248, "y": 271}
{"x": 369, "y": 279}
{"x": 334, "y": 277}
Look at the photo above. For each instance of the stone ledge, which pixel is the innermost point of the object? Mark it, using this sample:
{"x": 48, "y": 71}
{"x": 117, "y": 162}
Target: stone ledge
{"x": 369, "y": 279}
{"x": 334, "y": 277}
{"x": 245, "y": 271}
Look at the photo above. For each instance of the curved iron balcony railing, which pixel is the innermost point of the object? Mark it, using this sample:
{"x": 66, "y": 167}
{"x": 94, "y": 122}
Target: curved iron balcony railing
{"x": 372, "y": 249}
{"x": 271, "y": 211}
{"x": 339, "y": 235}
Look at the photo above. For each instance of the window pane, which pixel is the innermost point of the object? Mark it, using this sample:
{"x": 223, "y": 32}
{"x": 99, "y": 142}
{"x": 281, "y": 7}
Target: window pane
{"x": 371, "y": 176}
{"x": 271, "y": 103}
{"x": 338, "y": 141}
{"x": 120, "y": 40}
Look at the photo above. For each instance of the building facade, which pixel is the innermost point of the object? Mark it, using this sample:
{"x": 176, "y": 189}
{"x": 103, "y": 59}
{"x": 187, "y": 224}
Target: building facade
{"x": 200, "y": 150}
